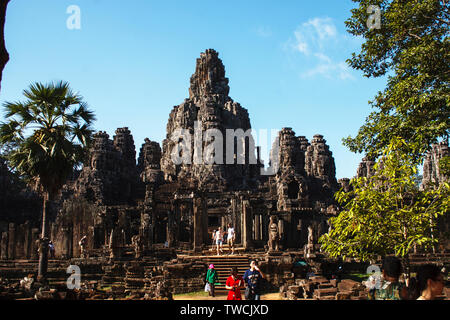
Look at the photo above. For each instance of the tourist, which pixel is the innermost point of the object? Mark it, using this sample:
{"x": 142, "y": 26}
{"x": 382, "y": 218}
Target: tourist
{"x": 213, "y": 236}
{"x": 253, "y": 277}
{"x": 219, "y": 241}
{"x": 211, "y": 279}
{"x": 390, "y": 287}
{"x": 234, "y": 284}
{"x": 51, "y": 247}
{"x": 430, "y": 282}
{"x": 82, "y": 244}
{"x": 231, "y": 237}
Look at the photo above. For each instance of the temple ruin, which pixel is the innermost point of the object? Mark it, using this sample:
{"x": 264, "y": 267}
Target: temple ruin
{"x": 180, "y": 205}
{"x": 139, "y": 210}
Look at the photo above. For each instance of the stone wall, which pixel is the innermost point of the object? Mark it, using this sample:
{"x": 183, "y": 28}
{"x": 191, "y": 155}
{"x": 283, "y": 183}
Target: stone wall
{"x": 19, "y": 242}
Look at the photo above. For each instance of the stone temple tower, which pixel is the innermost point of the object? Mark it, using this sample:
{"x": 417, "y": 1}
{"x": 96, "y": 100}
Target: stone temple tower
{"x": 210, "y": 107}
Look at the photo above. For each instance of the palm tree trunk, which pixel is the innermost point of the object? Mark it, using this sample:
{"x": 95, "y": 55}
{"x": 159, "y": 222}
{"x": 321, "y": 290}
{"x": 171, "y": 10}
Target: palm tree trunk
{"x": 43, "y": 245}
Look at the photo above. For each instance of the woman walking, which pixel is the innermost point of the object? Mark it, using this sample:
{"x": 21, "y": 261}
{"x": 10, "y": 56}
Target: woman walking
{"x": 219, "y": 240}
{"x": 211, "y": 279}
{"x": 234, "y": 284}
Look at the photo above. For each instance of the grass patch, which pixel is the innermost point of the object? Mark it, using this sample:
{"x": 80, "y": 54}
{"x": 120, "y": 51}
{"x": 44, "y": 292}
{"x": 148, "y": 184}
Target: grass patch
{"x": 360, "y": 277}
{"x": 200, "y": 294}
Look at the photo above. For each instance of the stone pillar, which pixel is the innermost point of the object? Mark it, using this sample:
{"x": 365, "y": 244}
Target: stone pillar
{"x": 11, "y": 241}
{"x": 91, "y": 237}
{"x": 281, "y": 233}
{"x": 27, "y": 240}
{"x": 144, "y": 230}
{"x": 33, "y": 245}
{"x": 205, "y": 234}
{"x": 151, "y": 231}
{"x": 19, "y": 241}
{"x": 65, "y": 248}
{"x": 198, "y": 224}
{"x": 257, "y": 227}
{"x": 246, "y": 225}
{"x": 170, "y": 229}
{"x": 4, "y": 246}
{"x": 236, "y": 220}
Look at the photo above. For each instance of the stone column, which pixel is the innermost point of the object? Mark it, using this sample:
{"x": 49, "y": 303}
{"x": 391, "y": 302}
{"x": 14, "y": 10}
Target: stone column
{"x": 33, "y": 245}
{"x": 236, "y": 220}
{"x": 91, "y": 237}
{"x": 281, "y": 233}
{"x": 144, "y": 230}
{"x": 27, "y": 240}
{"x": 19, "y": 242}
{"x": 151, "y": 230}
{"x": 246, "y": 225}
{"x": 257, "y": 227}
{"x": 65, "y": 252}
{"x": 11, "y": 241}
{"x": 204, "y": 212}
{"x": 198, "y": 224}
{"x": 170, "y": 229}
{"x": 4, "y": 246}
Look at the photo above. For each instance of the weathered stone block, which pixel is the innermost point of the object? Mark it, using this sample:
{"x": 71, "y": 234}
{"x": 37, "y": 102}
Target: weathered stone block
{"x": 348, "y": 285}
{"x": 343, "y": 295}
{"x": 320, "y": 293}
{"x": 294, "y": 289}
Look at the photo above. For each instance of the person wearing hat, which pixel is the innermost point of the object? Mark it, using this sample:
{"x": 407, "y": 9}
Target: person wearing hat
{"x": 211, "y": 278}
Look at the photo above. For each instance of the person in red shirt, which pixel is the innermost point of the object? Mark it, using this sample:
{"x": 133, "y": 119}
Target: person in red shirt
{"x": 234, "y": 284}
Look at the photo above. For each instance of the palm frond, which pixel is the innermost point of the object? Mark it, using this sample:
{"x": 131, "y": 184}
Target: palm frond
{"x": 60, "y": 132}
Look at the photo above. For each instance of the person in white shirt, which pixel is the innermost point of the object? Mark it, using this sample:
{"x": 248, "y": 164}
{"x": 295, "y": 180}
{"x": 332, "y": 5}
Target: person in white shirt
{"x": 219, "y": 241}
{"x": 231, "y": 237}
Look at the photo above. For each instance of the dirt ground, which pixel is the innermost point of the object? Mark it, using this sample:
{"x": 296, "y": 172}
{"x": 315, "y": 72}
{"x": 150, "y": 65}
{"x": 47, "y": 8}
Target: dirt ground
{"x": 201, "y": 296}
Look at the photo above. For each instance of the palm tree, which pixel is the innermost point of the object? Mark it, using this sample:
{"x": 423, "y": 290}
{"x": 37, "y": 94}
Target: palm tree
{"x": 46, "y": 137}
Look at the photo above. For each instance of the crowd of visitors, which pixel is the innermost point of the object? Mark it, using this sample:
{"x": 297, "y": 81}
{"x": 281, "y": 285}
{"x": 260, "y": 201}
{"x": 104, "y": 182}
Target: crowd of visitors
{"x": 427, "y": 284}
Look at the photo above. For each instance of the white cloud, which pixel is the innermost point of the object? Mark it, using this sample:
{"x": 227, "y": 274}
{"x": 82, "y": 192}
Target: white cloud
{"x": 330, "y": 70}
{"x": 314, "y": 35}
{"x": 317, "y": 39}
{"x": 264, "y": 32}
{"x": 324, "y": 27}
{"x": 301, "y": 44}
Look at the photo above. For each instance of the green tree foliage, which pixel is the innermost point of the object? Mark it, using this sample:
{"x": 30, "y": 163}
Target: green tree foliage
{"x": 45, "y": 137}
{"x": 386, "y": 213}
{"x": 413, "y": 50}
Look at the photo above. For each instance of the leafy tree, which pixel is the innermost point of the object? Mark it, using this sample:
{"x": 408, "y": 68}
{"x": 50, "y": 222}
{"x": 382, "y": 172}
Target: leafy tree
{"x": 386, "y": 213}
{"x": 413, "y": 50}
{"x": 46, "y": 137}
{"x": 444, "y": 165}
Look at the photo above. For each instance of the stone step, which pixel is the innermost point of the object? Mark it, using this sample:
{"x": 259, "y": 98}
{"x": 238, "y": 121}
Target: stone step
{"x": 320, "y": 293}
{"x": 223, "y": 265}
{"x": 229, "y": 266}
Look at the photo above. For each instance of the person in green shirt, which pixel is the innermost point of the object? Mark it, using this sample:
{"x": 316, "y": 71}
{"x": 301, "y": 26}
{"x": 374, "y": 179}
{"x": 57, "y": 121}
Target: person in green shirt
{"x": 211, "y": 278}
{"x": 391, "y": 288}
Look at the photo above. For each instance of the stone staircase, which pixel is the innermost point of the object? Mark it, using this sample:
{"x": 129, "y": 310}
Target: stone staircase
{"x": 442, "y": 258}
{"x": 212, "y": 250}
{"x": 223, "y": 265}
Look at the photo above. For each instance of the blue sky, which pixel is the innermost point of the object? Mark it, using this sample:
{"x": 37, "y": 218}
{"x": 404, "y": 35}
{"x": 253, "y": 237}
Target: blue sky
{"x": 132, "y": 61}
